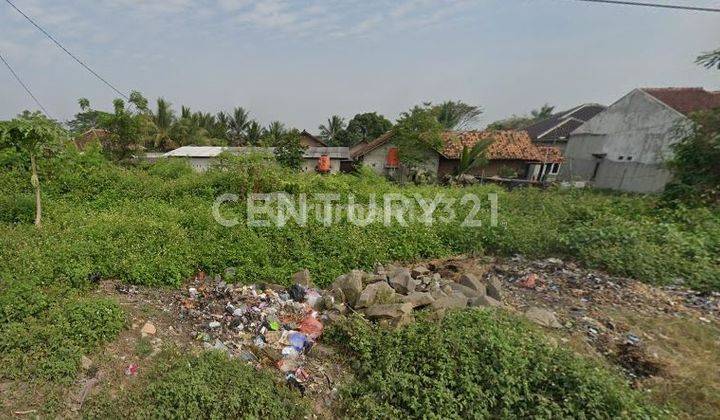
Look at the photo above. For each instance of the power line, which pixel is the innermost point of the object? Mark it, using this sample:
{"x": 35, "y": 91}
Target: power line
{"x": 658, "y": 5}
{"x": 66, "y": 50}
{"x": 27, "y": 89}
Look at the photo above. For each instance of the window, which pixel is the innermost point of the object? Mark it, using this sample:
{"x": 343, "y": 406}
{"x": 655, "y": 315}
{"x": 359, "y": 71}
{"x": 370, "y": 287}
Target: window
{"x": 554, "y": 169}
{"x": 629, "y": 158}
{"x": 621, "y": 157}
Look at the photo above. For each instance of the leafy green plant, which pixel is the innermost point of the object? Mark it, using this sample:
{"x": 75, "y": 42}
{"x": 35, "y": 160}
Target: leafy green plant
{"x": 475, "y": 364}
{"x": 209, "y": 386}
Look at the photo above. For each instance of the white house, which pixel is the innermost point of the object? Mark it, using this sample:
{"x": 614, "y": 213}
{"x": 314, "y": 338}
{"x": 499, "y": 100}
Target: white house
{"x": 625, "y": 146}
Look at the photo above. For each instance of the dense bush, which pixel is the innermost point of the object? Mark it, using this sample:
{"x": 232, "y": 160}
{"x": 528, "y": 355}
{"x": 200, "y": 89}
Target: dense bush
{"x": 475, "y": 364}
{"x": 208, "y": 386}
{"x": 43, "y": 334}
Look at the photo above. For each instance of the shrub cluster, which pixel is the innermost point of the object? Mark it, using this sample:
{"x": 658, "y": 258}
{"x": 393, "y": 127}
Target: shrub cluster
{"x": 208, "y": 386}
{"x": 475, "y": 364}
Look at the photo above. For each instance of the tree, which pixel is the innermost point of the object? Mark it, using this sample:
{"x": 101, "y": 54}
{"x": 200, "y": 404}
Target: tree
{"x": 126, "y": 131}
{"x": 519, "y": 122}
{"x": 273, "y": 134}
{"x": 470, "y": 157}
{"x": 86, "y": 119}
{"x": 288, "y": 150}
{"x": 365, "y": 127}
{"x": 542, "y": 113}
{"x": 238, "y": 124}
{"x": 456, "y": 115}
{"x": 253, "y": 133}
{"x": 709, "y": 59}
{"x": 334, "y": 131}
{"x": 696, "y": 161}
{"x": 163, "y": 121}
{"x": 416, "y": 133}
{"x": 36, "y": 135}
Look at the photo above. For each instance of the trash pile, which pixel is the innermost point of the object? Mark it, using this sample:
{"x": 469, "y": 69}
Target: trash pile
{"x": 261, "y": 324}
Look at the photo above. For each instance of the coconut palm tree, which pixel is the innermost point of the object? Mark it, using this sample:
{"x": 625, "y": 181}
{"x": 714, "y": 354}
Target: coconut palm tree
{"x": 273, "y": 133}
{"x": 238, "y": 124}
{"x": 253, "y": 133}
{"x": 710, "y": 59}
{"x": 333, "y": 132}
{"x": 163, "y": 120}
{"x": 542, "y": 113}
{"x": 470, "y": 157}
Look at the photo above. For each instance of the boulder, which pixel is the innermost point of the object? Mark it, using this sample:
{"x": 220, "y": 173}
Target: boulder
{"x": 350, "y": 285}
{"x": 303, "y": 278}
{"x": 542, "y": 317}
{"x": 379, "y": 269}
{"x": 450, "y": 302}
{"x": 369, "y": 278}
{"x": 376, "y": 293}
{"x": 472, "y": 282}
{"x": 418, "y": 299}
{"x": 466, "y": 291}
{"x": 494, "y": 288}
{"x": 485, "y": 300}
{"x": 390, "y": 311}
{"x": 402, "y": 281}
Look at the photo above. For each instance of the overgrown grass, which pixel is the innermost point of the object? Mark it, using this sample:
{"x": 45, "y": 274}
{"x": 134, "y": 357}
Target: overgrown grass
{"x": 208, "y": 386}
{"x": 475, "y": 364}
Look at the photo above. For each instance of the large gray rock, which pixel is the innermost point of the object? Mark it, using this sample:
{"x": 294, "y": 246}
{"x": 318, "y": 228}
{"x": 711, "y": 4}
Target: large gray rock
{"x": 303, "y": 278}
{"x": 454, "y": 301}
{"x": 418, "y": 299}
{"x": 350, "y": 285}
{"x": 469, "y": 280}
{"x": 466, "y": 291}
{"x": 376, "y": 293}
{"x": 419, "y": 271}
{"x": 542, "y": 317}
{"x": 402, "y": 281}
{"x": 495, "y": 288}
{"x": 391, "y": 311}
{"x": 486, "y": 301}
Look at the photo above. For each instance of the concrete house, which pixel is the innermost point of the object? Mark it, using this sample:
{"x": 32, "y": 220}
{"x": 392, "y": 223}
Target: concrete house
{"x": 625, "y": 146}
{"x": 381, "y": 155}
{"x": 555, "y": 130}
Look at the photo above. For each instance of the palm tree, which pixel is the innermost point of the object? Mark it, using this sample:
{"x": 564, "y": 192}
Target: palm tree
{"x": 710, "y": 59}
{"x": 273, "y": 133}
{"x": 472, "y": 157}
{"x": 238, "y": 124}
{"x": 456, "y": 115}
{"x": 544, "y": 112}
{"x": 334, "y": 130}
{"x": 163, "y": 121}
{"x": 185, "y": 112}
{"x": 253, "y": 133}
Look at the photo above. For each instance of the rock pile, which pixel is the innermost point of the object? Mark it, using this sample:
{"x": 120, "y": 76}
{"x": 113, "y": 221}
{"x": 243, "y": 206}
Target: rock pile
{"x": 391, "y": 294}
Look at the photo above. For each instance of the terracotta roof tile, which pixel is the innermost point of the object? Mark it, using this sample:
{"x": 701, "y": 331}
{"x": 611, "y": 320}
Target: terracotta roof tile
{"x": 507, "y": 145}
{"x": 551, "y": 154}
{"x": 686, "y": 100}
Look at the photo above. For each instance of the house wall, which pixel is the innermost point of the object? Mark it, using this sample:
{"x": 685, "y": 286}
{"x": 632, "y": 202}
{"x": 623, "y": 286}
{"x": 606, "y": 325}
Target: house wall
{"x": 308, "y": 141}
{"x": 376, "y": 159}
{"x": 624, "y": 147}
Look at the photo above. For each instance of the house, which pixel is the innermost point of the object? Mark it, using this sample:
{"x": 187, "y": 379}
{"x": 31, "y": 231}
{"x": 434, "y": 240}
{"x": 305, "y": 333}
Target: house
{"x": 382, "y": 156}
{"x": 308, "y": 140}
{"x": 93, "y": 135}
{"x": 625, "y": 146}
{"x": 315, "y": 159}
{"x": 510, "y": 155}
{"x": 555, "y": 130}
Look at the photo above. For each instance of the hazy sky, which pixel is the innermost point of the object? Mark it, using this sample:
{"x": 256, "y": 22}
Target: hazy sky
{"x": 300, "y": 61}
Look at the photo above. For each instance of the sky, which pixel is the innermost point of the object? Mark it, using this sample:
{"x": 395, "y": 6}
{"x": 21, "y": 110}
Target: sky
{"x": 301, "y": 61}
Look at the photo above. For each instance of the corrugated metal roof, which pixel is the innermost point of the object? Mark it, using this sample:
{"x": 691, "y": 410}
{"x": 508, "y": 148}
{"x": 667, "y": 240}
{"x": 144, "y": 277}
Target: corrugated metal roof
{"x": 213, "y": 151}
{"x": 196, "y": 151}
{"x": 332, "y": 152}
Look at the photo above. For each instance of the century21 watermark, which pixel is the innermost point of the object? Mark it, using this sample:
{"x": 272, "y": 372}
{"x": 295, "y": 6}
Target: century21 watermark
{"x": 280, "y": 208}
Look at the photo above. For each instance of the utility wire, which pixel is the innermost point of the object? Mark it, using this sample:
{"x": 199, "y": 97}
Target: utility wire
{"x": 27, "y": 89}
{"x": 66, "y": 50}
{"x": 658, "y": 5}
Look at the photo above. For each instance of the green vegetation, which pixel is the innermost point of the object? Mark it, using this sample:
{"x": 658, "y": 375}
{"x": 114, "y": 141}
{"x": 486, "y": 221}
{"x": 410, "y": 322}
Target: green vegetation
{"x": 475, "y": 364}
{"x": 696, "y": 162}
{"x": 208, "y": 386}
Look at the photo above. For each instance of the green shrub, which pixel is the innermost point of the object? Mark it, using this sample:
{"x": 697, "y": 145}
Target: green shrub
{"x": 17, "y": 208}
{"x": 208, "y": 386}
{"x": 171, "y": 168}
{"x": 475, "y": 364}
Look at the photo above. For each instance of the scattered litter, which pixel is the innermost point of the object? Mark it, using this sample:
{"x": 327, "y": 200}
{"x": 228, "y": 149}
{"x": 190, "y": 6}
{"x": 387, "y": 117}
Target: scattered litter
{"x": 131, "y": 370}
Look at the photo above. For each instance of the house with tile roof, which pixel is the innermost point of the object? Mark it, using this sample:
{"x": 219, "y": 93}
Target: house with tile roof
{"x": 555, "y": 130}
{"x": 511, "y": 153}
{"x": 625, "y": 147}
